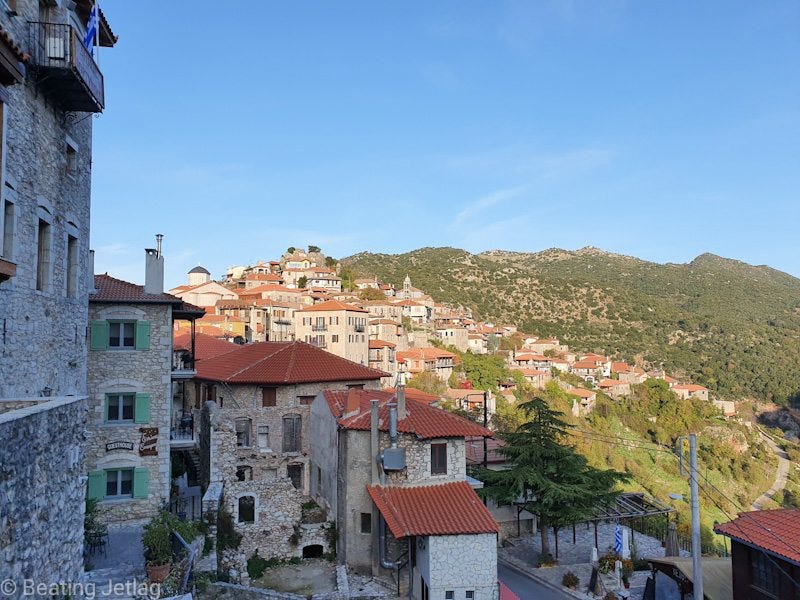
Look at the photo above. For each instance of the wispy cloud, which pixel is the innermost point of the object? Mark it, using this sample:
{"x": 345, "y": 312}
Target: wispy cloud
{"x": 524, "y": 163}
{"x": 471, "y": 209}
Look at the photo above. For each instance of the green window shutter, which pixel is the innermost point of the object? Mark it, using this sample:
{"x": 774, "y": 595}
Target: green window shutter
{"x": 141, "y": 409}
{"x": 142, "y": 335}
{"x": 141, "y": 482}
{"x": 99, "y": 335}
{"x": 96, "y": 488}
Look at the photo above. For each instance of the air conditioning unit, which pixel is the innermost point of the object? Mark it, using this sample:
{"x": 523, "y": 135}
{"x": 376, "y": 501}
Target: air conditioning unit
{"x": 54, "y": 46}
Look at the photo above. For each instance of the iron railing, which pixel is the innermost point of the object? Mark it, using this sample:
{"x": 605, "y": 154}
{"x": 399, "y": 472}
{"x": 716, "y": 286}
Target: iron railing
{"x": 58, "y": 46}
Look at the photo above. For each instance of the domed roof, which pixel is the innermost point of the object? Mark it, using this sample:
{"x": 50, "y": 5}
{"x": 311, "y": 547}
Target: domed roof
{"x": 199, "y": 269}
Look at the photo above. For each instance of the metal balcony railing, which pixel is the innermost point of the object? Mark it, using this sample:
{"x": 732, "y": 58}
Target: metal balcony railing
{"x": 66, "y": 70}
{"x": 318, "y": 327}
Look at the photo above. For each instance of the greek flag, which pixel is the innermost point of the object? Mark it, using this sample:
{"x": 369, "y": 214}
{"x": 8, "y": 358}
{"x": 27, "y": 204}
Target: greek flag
{"x": 618, "y": 540}
{"x": 91, "y": 28}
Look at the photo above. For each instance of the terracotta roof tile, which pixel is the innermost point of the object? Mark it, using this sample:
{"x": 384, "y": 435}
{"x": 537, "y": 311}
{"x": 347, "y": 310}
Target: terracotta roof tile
{"x": 422, "y": 420}
{"x": 381, "y": 344}
{"x": 12, "y": 45}
{"x": 776, "y": 531}
{"x": 428, "y": 353}
{"x": 111, "y": 289}
{"x": 585, "y": 364}
{"x": 415, "y": 394}
{"x": 205, "y": 346}
{"x": 447, "y": 509}
{"x": 282, "y": 363}
{"x": 690, "y": 387}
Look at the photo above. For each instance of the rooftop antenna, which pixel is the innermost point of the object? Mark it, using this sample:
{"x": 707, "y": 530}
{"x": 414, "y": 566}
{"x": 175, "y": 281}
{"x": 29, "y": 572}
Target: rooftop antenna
{"x": 159, "y": 237}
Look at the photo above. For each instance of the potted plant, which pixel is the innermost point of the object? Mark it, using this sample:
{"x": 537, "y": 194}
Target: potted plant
{"x": 156, "y": 539}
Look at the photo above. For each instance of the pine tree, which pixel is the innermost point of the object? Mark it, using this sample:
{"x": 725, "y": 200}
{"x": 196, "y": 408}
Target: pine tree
{"x": 555, "y": 482}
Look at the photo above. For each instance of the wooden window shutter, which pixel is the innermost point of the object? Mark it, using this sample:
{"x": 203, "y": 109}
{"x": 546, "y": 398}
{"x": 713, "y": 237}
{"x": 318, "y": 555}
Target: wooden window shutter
{"x": 96, "y": 487}
{"x": 142, "y": 335}
{"x": 141, "y": 482}
{"x": 269, "y": 396}
{"x": 141, "y": 411}
{"x": 98, "y": 338}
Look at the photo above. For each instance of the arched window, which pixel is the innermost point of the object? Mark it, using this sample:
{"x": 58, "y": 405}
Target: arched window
{"x": 247, "y": 509}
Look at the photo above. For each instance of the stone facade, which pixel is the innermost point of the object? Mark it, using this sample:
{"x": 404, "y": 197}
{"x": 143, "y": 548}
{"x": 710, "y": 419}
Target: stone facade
{"x": 43, "y": 346}
{"x": 456, "y": 563}
{"x": 42, "y": 491}
{"x": 116, "y": 445}
{"x": 340, "y": 332}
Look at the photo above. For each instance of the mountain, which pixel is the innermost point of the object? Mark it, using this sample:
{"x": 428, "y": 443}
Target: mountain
{"x": 725, "y": 324}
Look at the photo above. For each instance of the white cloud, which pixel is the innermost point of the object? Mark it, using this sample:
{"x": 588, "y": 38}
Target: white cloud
{"x": 475, "y": 207}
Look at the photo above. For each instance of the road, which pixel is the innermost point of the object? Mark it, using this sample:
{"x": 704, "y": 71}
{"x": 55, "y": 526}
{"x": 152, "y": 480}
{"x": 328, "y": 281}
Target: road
{"x": 780, "y": 475}
{"x": 525, "y": 587}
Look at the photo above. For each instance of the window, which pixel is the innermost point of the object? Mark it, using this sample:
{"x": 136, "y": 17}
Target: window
{"x": 292, "y": 433}
{"x": 355, "y": 386}
{"x": 121, "y": 334}
{"x": 120, "y": 407}
{"x": 72, "y": 266}
{"x": 247, "y": 509}
{"x": 263, "y": 437}
{"x": 366, "y": 522}
{"x": 43, "y": 257}
{"x": 469, "y": 595}
{"x": 438, "y": 459}
{"x": 211, "y": 392}
{"x": 244, "y": 473}
{"x": 765, "y": 575}
{"x": 449, "y": 595}
{"x": 269, "y": 396}
{"x": 119, "y": 483}
{"x": 295, "y": 473}
{"x": 335, "y": 339}
{"x": 243, "y": 433}
{"x": 8, "y": 229}
{"x": 72, "y": 160}
{"x": 305, "y": 400}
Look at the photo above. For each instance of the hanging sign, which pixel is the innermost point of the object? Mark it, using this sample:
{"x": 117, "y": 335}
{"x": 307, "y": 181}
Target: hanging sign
{"x": 147, "y": 444}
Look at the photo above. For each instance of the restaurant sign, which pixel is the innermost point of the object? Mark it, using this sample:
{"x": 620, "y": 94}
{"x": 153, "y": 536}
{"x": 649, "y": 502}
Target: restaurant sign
{"x": 148, "y": 441}
{"x": 111, "y": 446}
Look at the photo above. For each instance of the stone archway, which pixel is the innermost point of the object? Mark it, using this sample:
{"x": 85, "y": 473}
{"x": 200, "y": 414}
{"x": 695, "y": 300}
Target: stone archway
{"x": 312, "y": 551}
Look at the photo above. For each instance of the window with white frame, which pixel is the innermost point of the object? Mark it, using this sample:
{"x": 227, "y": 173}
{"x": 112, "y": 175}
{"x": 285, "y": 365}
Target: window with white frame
{"x": 119, "y": 483}
{"x": 120, "y": 407}
{"x": 121, "y": 334}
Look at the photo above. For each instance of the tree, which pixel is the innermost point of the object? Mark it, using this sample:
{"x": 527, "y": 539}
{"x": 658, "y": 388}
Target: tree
{"x": 427, "y": 382}
{"x": 302, "y": 282}
{"x": 314, "y": 249}
{"x": 371, "y": 294}
{"x": 330, "y": 262}
{"x": 557, "y": 484}
{"x": 291, "y": 250}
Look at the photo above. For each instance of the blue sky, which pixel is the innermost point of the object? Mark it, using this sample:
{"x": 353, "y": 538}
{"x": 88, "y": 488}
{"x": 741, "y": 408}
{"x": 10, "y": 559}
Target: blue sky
{"x": 660, "y": 130}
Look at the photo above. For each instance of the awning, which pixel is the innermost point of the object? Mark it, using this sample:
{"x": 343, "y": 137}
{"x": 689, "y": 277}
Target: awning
{"x": 717, "y": 583}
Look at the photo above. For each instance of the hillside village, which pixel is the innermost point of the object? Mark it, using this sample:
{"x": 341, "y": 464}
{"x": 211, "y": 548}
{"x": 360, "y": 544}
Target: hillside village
{"x": 291, "y": 425}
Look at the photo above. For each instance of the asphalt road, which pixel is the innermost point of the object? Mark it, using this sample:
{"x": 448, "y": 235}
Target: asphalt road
{"x": 525, "y": 587}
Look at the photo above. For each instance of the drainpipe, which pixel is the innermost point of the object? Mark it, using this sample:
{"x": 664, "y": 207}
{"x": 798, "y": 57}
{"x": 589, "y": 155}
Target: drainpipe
{"x": 373, "y": 441}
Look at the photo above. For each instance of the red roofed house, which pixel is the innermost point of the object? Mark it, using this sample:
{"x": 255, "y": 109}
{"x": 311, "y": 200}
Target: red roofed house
{"x": 537, "y": 377}
{"x": 416, "y": 311}
{"x": 389, "y": 330}
{"x": 335, "y": 326}
{"x": 133, "y": 374}
{"x": 435, "y": 360}
{"x": 414, "y": 508}
{"x": 532, "y": 361}
{"x": 614, "y": 387}
{"x": 255, "y": 437}
{"x": 585, "y": 401}
{"x": 382, "y": 358}
{"x": 765, "y": 560}
{"x": 588, "y": 370}
{"x": 690, "y": 390}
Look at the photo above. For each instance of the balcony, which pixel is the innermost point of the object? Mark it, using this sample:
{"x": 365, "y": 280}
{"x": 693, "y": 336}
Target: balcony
{"x": 282, "y": 321}
{"x": 359, "y": 328}
{"x": 182, "y": 433}
{"x": 319, "y": 327}
{"x": 183, "y": 365}
{"x": 65, "y": 69}
{"x": 7, "y": 269}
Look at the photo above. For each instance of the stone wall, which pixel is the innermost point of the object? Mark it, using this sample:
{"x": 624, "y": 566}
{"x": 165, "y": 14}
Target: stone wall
{"x": 132, "y": 371}
{"x": 463, "y": 562}
{"x": 42, "y": 492}
{"x": 43, "y": 346}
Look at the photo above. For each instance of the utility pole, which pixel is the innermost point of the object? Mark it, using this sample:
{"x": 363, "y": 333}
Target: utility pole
{"x": 697, "y": 568}
{"x": 485, "y": 425}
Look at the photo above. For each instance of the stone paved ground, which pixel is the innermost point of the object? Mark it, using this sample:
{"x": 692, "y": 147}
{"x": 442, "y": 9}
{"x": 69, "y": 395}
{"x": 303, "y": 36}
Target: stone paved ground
{"x": 312, "y": 576}
{"x": 122, "y": 562}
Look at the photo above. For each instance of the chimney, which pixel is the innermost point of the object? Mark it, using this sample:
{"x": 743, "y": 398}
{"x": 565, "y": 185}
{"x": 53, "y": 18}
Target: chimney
{"x": 352, "y": 403}
{"x": 154, "y": 268}
{"x": 401, "y": 397}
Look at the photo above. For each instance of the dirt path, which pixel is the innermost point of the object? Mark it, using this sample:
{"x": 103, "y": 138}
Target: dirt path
{"x": 780, "y": 475}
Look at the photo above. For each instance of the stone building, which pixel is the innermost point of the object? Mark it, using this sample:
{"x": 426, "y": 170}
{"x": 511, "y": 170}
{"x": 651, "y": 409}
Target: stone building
{"x": 49, "y": 87}
{"x": 255, "y": 438}
{"x": 337, "y": 327}
{"x": 422, "y": 496}
{"x": 382, "y": 357}
{"x": 132, "y": 371}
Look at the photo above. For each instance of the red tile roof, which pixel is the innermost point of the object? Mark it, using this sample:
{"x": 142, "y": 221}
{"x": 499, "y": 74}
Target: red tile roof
{"x": 447, "y": 509}
{"x": 269, "y": 287}
{"x": 585, "y": 364}
{"x": 12, "y": 46}
{"x": 776, "y": 531}
{"x": 620, "y": 367}
{"x": 381, "y": 344}
{"x": 415, "y": 394}
{"x": 607, "y": 383}
{"x": 422, "y": 420}
{"x": 282, "y": 363}
{"x": 205, "y": 346}
{"x": 111, "y": 289}
{"x": 690, "y": 387}
{"x": 533, "y": 357}
{"x": 582, "y": 393}
{"x": 331, "y": 305}
{"x": 429, "y": 353}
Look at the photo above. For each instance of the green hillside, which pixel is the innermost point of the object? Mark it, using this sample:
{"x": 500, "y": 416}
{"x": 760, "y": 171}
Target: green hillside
{"x": 730, "y": 326}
